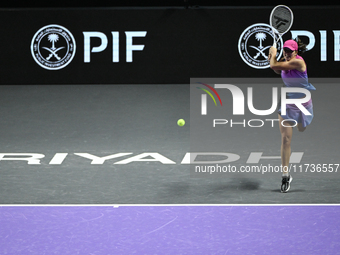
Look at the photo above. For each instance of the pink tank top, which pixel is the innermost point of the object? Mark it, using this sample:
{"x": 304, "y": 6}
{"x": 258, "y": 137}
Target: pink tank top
{"x": 295, "y": 78}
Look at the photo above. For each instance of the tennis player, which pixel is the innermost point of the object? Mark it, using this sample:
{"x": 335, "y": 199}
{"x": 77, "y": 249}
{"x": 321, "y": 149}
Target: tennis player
{"x": 293, "y": 71}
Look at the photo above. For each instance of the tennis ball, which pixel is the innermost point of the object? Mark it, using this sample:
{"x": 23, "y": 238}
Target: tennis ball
{"x": 181, "y": 122}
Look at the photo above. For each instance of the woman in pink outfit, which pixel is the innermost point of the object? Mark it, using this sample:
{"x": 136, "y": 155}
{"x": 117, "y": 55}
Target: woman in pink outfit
{"x": 293, "y": 70}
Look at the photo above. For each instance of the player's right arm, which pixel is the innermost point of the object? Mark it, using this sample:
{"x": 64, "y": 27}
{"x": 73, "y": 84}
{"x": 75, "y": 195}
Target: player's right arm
{"x": 276, "y": 71}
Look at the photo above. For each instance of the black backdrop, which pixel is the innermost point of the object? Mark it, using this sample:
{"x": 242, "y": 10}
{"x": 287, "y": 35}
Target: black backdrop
{"x": 180, "y": 43}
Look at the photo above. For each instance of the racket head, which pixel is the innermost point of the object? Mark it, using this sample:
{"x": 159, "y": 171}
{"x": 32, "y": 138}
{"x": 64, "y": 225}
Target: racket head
{"x": 281, "y": 18}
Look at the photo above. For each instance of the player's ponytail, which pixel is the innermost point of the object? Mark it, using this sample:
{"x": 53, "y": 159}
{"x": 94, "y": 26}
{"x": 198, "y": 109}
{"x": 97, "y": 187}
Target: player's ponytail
{"x": 301, "y": 46}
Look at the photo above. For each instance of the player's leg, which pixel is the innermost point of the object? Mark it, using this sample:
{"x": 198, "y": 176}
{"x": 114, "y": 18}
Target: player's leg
{"x": 286, "y": 137}
{"x": 300, "y": 127}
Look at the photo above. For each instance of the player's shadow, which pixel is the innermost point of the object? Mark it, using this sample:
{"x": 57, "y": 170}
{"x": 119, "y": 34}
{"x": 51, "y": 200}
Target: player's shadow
{"x": 185, "y": 190}
{"x": 238, "y": 184}
{"x": 177, "y": 189}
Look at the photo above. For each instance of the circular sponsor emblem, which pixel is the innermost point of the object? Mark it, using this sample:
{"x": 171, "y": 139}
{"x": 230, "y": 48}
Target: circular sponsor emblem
{"x": 53, "y": 47}
{"x": 254, "y": 44}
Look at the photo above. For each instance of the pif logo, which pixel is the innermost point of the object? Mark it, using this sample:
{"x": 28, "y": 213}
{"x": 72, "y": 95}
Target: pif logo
{"x": 254, "y": 44}
{"x": 53, "y": 47}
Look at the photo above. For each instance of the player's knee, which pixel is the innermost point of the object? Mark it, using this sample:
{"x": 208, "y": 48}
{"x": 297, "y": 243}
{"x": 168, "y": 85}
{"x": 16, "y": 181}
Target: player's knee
{"x": 286, "y": 139}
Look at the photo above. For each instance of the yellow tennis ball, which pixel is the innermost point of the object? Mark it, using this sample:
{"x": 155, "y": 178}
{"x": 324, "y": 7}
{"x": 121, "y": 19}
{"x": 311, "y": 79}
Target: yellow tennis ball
{"x": 181, "y": 122}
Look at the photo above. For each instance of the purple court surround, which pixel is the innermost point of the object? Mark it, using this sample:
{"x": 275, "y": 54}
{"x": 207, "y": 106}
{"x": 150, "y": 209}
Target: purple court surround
{"x": 169, "y": 230}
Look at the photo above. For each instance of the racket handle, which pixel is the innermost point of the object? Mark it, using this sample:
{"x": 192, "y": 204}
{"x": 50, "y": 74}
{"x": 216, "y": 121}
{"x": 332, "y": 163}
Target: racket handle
{"x": 274, "y": 44}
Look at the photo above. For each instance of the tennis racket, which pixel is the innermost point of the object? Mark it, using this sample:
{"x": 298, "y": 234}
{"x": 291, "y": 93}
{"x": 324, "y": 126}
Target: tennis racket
{"x": 281, "y": 20}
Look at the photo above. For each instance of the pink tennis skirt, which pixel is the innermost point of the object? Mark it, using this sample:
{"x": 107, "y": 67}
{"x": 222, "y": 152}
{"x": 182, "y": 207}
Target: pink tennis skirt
{"x": 293, "y": 112}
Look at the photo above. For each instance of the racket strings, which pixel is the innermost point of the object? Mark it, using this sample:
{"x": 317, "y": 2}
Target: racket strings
{"x": 281, "y": 19}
